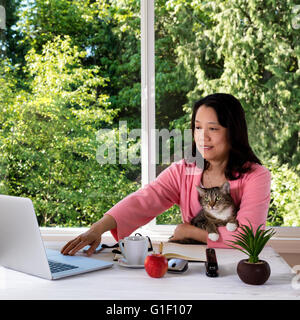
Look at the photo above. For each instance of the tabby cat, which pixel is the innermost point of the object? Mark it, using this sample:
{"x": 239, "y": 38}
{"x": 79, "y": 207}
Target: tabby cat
{"x": 218, "y": 209}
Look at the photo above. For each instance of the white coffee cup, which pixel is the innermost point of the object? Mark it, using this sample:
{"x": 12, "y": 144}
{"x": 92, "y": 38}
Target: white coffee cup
{"x": 134, "y": 249}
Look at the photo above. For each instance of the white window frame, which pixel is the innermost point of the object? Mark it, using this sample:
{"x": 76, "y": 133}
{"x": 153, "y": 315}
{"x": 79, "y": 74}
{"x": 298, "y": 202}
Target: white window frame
{"x": 148, "y": 148}
{"x": 148, "y": 141}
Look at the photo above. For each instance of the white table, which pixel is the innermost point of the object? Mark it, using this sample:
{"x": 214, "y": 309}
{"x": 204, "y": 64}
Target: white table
{"x": 119, "y": 283}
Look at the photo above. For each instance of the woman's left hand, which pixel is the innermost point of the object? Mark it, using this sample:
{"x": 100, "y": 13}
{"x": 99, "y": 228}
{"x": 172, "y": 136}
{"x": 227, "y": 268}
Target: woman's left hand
{"x": 181, "y": 231}
{"x": 186, "y": 230}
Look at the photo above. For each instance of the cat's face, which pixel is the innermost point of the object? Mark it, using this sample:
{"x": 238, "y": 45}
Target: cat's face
{"x": 215, "y": 199}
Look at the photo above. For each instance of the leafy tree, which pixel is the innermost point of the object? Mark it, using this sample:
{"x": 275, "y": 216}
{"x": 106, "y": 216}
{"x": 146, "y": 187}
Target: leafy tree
{"x": 52, "y": 152}
{"x": 285, "y": 200}
{"x": 251, "y": 50}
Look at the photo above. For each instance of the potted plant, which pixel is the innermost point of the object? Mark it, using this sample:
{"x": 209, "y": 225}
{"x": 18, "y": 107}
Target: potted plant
{"x": 252, "y": 270}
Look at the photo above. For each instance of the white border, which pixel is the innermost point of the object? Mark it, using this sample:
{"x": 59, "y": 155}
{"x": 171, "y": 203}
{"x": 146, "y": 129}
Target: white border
{"x": 148, "y": 92}
{"x": 282, "y": 233}
{"x": 286, "y": 239}
{"x": 162, "y": 233}
{"x": 148, "y": 139}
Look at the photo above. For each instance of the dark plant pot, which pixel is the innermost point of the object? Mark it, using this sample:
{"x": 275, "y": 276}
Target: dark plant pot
{"x": 253, "y": 273}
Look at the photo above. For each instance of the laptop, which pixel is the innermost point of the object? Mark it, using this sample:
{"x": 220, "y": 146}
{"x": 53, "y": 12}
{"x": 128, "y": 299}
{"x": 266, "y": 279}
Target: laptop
{"x": 22, "y": 248}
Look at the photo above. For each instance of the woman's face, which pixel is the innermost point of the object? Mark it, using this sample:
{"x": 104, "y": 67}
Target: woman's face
{"x": 210, "y": 137}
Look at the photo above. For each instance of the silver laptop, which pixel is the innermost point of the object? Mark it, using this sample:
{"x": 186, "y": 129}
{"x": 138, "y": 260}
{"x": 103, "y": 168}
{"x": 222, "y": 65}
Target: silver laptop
{"x": 22, "y": 248}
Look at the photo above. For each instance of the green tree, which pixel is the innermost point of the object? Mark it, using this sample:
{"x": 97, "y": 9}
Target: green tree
{"x": 251, "y": 50}
{"x": 51, "y": 148}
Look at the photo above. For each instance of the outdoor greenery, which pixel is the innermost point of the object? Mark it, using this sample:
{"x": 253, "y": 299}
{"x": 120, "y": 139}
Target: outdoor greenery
{"x": 70, "y": 68}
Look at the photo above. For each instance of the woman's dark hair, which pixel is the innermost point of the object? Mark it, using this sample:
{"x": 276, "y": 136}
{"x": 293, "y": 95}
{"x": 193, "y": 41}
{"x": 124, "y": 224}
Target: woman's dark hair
{"x": 230, "y": 115}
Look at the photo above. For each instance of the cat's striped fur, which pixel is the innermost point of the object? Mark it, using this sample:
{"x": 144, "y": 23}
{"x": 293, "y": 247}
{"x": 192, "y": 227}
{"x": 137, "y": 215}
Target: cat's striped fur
{"x": 218, "y": 209}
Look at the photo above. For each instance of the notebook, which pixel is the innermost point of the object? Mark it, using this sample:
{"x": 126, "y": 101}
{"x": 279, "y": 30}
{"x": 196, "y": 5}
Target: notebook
{"x": 190, "y": 252}
{"x": 22, "y": 248}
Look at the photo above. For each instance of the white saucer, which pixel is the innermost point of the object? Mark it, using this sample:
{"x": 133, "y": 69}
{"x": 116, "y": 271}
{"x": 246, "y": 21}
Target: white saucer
{"x": 122, "y": 262}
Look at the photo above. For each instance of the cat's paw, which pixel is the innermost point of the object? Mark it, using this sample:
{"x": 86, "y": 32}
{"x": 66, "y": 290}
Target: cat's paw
{"x": 231, "y": 226}
{"x": 213, "y": 236}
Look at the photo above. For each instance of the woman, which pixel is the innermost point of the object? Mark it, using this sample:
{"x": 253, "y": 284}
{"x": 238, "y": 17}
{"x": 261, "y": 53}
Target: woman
{"x": 220, "y": 136}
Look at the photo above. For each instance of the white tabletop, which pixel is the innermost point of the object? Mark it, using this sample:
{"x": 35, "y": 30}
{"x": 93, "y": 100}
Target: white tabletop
{"x": 120, "y": 283}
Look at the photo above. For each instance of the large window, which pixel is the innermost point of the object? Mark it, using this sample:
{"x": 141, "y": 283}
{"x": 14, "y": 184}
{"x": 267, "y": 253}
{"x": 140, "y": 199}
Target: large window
{"x": 79, "y": 75}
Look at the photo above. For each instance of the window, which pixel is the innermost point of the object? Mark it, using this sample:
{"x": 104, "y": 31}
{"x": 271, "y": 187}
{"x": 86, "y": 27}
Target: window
{"x": 196, "y": 54}
{"x": 70, "y": 77}
{"x": 88, "y": 83}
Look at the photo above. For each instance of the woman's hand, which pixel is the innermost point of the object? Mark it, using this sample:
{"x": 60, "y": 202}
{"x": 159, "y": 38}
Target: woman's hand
{"x": 186, "y": 230}
{"x": 90, "y": 237}
{"x": 181, "y": 231}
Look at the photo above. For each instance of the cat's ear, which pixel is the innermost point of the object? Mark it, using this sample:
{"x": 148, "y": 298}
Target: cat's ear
{"x": 225, "y": 188}
{"x": 201, "y": 191}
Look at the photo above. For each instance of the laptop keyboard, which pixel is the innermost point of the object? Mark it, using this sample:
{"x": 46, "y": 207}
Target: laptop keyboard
{"x": 58, "y": 266}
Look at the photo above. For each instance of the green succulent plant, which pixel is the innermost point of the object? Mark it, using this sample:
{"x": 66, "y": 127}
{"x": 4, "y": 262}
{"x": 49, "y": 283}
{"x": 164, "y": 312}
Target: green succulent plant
{"x": 251, "y": 242}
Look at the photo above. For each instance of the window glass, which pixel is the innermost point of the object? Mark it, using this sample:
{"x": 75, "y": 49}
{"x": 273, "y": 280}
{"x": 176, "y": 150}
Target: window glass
{"x": 70, "y": 96}
{"x": 251, "y": 50}
{"x": 69, "y": 85}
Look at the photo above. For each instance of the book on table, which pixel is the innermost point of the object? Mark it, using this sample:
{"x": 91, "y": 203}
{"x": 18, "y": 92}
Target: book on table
{"x": 190, "y": 252}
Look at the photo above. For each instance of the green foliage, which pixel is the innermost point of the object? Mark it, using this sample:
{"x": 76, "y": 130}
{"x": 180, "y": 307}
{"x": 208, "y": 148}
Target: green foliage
{"x": 49, "y": 139}
{"x": 73, "y": 67}
{"x": 107, "y": 30}
{"x": 170, "y": 216}
{"x": 251, "y": 50}
{"x": 285, "y": 195}
{"x": 252, "y": 242}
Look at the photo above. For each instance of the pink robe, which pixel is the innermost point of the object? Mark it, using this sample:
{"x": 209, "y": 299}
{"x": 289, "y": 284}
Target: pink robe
{"x": 176, "y": 185}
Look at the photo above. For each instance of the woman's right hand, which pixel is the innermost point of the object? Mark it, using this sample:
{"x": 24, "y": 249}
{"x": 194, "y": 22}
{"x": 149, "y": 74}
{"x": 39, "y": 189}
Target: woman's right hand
{"x": 90, "y": 237}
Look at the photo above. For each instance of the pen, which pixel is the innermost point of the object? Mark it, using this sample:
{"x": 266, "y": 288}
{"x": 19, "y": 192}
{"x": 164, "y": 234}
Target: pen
{"x": 160, "y": 247}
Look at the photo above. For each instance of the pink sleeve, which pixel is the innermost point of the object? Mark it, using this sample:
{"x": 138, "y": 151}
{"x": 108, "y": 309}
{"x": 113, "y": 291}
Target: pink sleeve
{"x": 140, "y": 207}
{"x": 254, "y": 205}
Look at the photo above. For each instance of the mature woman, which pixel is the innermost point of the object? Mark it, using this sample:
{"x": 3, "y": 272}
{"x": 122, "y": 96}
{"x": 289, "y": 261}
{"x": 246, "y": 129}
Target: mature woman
{"x": 220, "y": 136}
